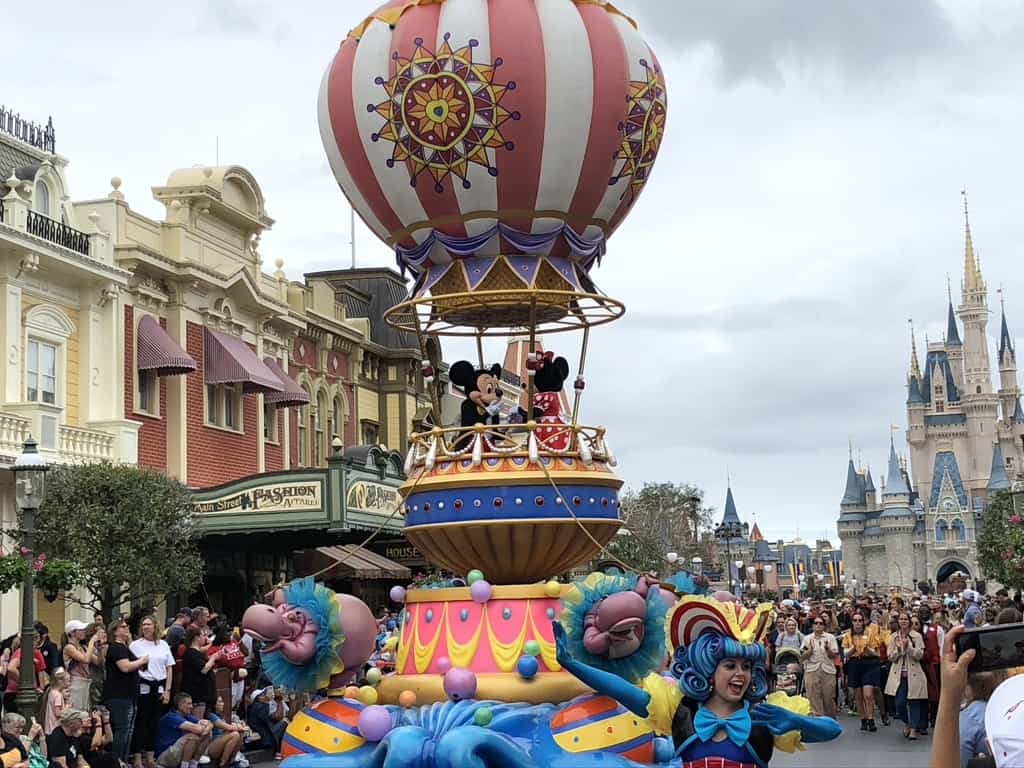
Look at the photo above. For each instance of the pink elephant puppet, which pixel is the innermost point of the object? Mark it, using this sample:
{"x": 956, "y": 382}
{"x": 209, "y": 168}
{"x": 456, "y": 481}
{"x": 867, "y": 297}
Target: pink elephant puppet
{"x": 293, "y": 628}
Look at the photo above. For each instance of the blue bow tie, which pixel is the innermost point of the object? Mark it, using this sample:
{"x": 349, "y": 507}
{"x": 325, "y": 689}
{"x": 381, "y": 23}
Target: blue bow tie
{"x": 736, "y": 726}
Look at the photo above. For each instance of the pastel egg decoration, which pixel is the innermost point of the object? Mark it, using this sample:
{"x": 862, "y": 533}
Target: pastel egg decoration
{"x": 527, "y": 667}
{"x": 531, "y": 648}
{"x": 352, "y": 692}
{"x": 460, "y": 683}
{"x": 480, "y": 591}
{"x": 367, "y": 695}
{"x": 443, "y": 664}
{"x": 474, "y": 576}
{"x": 374, "y": 723}
{"x": 407, "y": 699}
{"x": 483, "y": 717}
{"x": 553, "y": 589}
{"x": 373, "y": 676}
{"x": 397, "y": 594}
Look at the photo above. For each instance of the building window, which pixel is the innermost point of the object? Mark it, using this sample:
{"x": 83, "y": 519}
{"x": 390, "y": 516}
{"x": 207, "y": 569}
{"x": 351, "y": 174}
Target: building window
{"x": 339, "y": 418}
{"x": 41, "y": 202}
{"x": 303, "y": 416}
{"x": 371, "y": 433}
{"x": 224, "y": 406}
{"x": 940, "y": 406}
{"x": 41, "y": 373}
{"x": 938, "y": 389}
{"x": 318, "y": 428}
{"x": 959, "y": 533}
{"x": 146, "y": 399}
{"x": 941, "y": 530}
{"x": 270, "y": 423}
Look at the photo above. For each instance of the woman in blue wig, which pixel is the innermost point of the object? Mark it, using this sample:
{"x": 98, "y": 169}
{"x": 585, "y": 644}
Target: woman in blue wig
{"x": 716, "y": 706}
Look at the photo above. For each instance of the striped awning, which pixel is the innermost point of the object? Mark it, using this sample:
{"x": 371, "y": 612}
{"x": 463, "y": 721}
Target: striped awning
{"x": 291, "y": 394}
{"x": 229, "y": 360}
{"x": 156, "y": 351}
{"x": 351, "y": 561}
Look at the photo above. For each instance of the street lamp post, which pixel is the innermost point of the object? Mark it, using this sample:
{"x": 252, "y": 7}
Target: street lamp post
{"x": 29, "y": 488}
{"x": 728, "y": 532}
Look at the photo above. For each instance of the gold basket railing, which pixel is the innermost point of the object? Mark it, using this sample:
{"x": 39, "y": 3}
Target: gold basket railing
{"x": 491, "y": 441}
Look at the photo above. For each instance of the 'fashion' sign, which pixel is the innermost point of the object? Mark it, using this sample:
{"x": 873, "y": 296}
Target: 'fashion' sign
{"x": 273, "y": 497}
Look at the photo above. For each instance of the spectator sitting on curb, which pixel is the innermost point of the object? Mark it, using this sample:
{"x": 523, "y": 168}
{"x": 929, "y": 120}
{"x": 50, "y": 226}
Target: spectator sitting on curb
{"x": 12, "y": 750}
{"x": 182, "y": 739}
{"x": 269, "y": 725}
{"x": 34, "y": 741}
{"x": 226, "y": 739}
{"x": 96, "y": 740}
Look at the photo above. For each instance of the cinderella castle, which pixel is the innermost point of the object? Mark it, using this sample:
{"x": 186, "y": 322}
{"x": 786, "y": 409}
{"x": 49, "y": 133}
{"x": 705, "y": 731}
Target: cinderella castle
{"x": 965, "y": 443}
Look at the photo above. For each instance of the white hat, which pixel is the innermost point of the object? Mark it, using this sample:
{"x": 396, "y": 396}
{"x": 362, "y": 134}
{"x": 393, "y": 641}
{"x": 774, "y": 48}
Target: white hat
{"x": 970, "y": 596}
{"x": 257, "y": 693}
{"x": 74, "y": 626}
{"x": 1004, "y": 723}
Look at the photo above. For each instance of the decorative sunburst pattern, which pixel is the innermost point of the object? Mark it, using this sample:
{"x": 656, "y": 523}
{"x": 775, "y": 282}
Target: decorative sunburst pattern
{"x": 444, "y": 113}
{"x": 642, "y": 130}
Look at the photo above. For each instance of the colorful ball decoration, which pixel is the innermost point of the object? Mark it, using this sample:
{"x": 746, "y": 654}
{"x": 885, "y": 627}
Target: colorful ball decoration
{"x": 374, "y": 722}
{"x": 483, "y": 717}
{"x": 367, "y": 695}
{"x": 459, "y": 683}
{"x": 407, "y": 699}
{"x": 443, "y": 664}
{"x": 397, "y": 594}
{"x": 462, "y": 129}
{"x": 553, "y": 589}
{"x": 481, "y": 591}
{"x": 352, "y": 692}
{"x": 373, "y": 676}
{"x": 531, "y": 648}
{"x": 474, "y": 576}
{"x": 527, "y": 667}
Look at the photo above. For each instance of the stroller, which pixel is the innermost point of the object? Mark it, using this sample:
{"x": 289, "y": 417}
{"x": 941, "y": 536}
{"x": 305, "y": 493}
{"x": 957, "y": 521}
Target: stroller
{"x": 789, "y": 672}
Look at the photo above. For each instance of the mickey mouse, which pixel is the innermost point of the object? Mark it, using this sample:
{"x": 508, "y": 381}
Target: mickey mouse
{"x": 549, "y": 374}
{"x": 483, "y": 395}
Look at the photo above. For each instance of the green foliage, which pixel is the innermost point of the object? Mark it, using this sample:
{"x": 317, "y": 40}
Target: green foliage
{"x": 1001, "y": 542}
{"x": 13, "y": 568}
{"x": 662, "y": 518}
{"x": 129, "y": 532}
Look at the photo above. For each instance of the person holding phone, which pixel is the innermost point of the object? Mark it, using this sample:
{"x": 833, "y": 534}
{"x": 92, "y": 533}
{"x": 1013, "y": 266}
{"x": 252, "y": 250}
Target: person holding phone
{"x": 121, "y": 687}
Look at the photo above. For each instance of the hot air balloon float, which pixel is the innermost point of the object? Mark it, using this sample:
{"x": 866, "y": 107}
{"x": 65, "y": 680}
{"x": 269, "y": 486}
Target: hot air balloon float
{"x": 495, "y": 145}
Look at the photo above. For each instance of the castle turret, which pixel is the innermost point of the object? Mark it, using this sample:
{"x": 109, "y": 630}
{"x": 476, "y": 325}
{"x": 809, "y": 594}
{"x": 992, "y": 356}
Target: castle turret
{"x": 870, "y": 499}
{"x": 980, "y": 403}
{"x": 1008, "y": 389}
{"x": 954, "y": 346}
{"x": 897, "y": 523}
{"x": 998, "y": 479}
{"x": 852, "y": 520}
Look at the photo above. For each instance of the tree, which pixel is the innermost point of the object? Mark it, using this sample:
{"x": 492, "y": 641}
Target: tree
{"x": 662, "y": 518}
{"x": 129, "y": 530}
{"x": 1001, "y": 542}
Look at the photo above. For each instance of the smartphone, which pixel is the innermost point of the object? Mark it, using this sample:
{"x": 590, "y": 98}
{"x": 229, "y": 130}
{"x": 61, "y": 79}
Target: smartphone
{"x": 995, "y": 647}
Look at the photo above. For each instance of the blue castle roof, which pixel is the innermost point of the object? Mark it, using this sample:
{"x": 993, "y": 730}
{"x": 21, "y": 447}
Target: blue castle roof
{"x": 952, "y": 331}
{"x": 998, "y": 479}
{"x": 730, "y": 515}
{"x": 945, "y": 461}
{"x": 895, "y": 482}
{"x": 914, "y": 391}
{"x": 854, "y": 493}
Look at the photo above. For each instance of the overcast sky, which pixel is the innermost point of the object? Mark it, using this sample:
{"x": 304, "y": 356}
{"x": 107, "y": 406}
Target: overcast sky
{"x": 806, "y": 201}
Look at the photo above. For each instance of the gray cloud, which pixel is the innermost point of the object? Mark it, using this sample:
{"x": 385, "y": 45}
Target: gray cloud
{"x": 233, "y": 18}
{"x": 761, "y": 39}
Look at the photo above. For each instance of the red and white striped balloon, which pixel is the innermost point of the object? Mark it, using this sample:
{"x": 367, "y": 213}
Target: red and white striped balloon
{"x": 454, "y": 116}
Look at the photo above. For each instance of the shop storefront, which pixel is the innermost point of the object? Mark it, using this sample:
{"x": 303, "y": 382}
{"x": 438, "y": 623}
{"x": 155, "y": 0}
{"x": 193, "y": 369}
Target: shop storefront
{"x": 265, "y": 529}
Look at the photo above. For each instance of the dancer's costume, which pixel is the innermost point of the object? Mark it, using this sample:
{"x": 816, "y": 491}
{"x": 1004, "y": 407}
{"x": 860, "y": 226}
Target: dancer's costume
{"x": 701, "y": 632}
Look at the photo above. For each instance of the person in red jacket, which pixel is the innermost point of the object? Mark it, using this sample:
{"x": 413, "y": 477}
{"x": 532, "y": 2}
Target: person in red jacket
{"x": 933, "y": 636}
{"x": 232, "y": 657}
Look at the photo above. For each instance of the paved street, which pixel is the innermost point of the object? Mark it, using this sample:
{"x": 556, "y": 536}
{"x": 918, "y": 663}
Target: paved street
{"x": 861, "y": 750}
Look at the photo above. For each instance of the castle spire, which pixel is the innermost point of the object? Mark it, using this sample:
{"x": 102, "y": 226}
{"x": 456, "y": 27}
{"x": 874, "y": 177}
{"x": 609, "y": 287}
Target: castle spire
{"x": 972, "y": 268}
{"x": 895, "y": 482}
{"x": 1005, "y": 342}
{"x": 730, "y": 515}
{"x": 915, "y": 366}
{"x": 998, "y": 479}
{"x": 952, "y": 330}
{"x": 854, "y": 490}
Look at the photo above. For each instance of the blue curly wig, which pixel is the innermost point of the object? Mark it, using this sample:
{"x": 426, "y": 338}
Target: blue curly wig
{"x": 686, "y": 583}
{"x": 320, "y": 604}
{"x": 694, "y": 665}
{"x": 651, "y": 653}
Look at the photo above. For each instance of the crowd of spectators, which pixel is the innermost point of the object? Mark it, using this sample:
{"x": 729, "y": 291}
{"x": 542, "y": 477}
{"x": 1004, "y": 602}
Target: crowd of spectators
{"x": 143, "y": 696}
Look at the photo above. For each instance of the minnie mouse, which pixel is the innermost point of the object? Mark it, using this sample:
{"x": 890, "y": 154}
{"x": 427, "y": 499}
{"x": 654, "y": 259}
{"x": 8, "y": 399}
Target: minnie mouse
{"x": 549, "y": 374}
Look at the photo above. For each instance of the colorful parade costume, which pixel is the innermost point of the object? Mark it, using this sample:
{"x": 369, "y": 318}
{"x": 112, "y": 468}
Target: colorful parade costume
{"x": 701, "y": 632}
